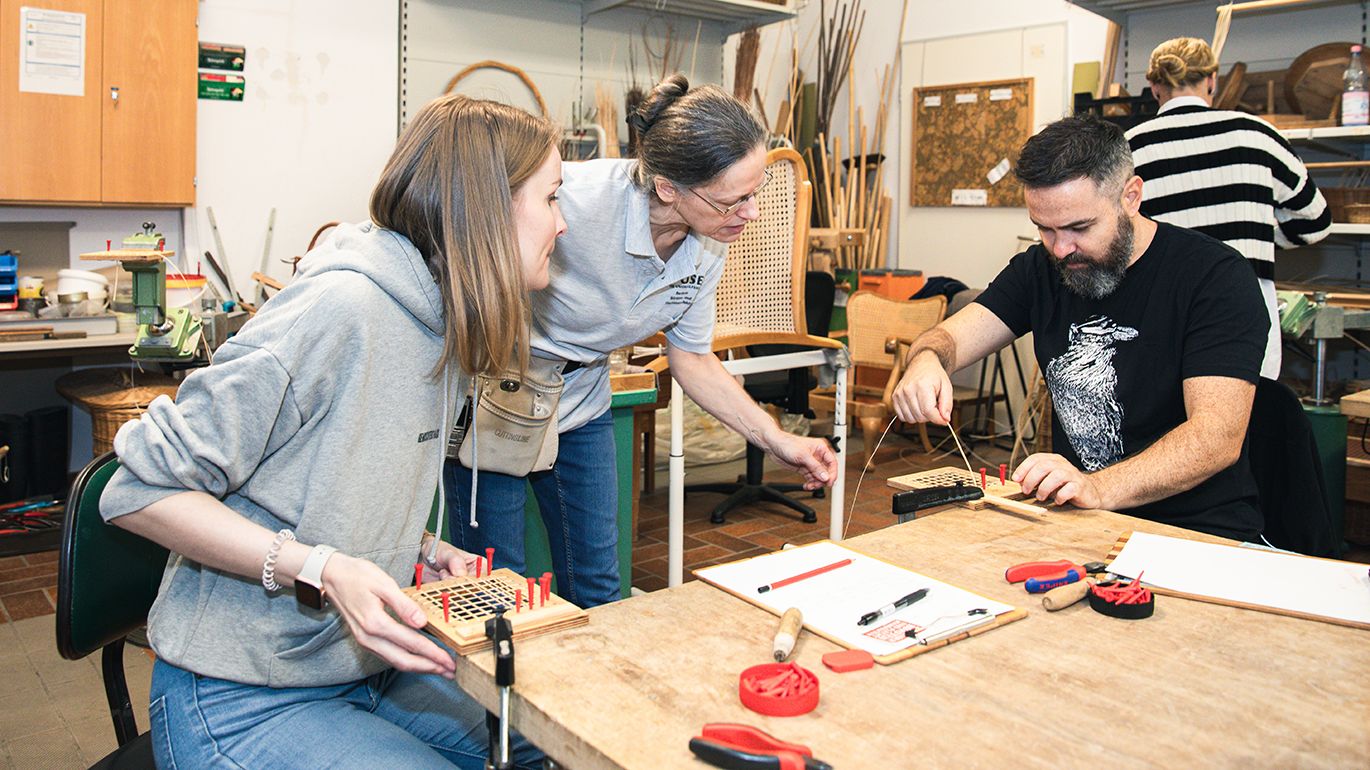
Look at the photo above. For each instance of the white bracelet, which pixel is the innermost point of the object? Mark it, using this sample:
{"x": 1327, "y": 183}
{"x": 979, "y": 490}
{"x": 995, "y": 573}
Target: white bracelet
{"x": 273, "y": 553}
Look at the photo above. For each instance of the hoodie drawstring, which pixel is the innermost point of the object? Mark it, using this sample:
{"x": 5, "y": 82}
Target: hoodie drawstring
{"x": 475, "y": 449}
{"x": 432, "y": 556}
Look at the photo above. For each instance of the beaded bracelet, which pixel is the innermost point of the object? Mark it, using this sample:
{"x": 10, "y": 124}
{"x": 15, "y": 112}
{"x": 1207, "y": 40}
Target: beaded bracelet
{"x": 273, "y": 553}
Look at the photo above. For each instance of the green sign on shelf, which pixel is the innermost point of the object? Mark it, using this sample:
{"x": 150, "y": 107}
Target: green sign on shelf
{"x": 223, "y": 87}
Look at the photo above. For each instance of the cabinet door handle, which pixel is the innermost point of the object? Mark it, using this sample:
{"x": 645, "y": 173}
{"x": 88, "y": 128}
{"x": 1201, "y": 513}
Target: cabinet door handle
{"x": 114, "y": 94}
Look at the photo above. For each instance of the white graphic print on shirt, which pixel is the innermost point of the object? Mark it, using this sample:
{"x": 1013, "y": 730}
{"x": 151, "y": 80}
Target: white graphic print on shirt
{"x": 1084, "y": 387}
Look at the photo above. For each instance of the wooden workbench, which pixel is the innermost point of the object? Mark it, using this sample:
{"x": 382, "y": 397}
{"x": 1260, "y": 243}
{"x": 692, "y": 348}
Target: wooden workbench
{"x": 1195, "y": 685}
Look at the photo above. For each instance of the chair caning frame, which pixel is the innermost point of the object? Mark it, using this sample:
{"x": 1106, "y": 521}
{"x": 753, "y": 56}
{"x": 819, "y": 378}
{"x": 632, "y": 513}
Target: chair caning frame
{"x": 785, "y": 164}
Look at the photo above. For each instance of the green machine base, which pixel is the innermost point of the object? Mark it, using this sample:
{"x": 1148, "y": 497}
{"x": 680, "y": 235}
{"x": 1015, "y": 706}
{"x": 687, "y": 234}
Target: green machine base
{"x": 177, "y": 344}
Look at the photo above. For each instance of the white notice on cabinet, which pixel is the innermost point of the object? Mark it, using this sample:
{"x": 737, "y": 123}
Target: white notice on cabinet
{"x": 52, "y": 52}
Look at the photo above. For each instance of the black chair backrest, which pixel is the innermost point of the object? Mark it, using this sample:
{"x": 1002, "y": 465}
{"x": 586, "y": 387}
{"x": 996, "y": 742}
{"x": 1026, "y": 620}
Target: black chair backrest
{"x": 1284, "y": 460}
{"x": 819, "y": 292}
{"x": 107, "y": 577}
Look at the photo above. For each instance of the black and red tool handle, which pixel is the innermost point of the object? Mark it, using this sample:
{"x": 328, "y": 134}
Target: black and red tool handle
{"x": 742, "y": 747}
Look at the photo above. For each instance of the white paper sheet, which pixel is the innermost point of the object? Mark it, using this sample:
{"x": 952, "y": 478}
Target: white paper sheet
{"x": 998, "y": 172}
{"x": 970, "y": 98}
{"x": 1000, "y": 94}
{"x": 833, "y": 601}
{"x": 1330, "y": 589}
{"x": 932, "y": 101}
{"x": 52, "y": 52}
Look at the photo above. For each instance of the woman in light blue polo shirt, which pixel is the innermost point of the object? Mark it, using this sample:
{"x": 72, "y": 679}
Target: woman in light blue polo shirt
{"x": 643, "y": 253}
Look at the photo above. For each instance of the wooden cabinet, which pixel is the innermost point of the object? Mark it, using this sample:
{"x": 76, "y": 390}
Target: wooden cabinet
{"x": 130, "y": 138}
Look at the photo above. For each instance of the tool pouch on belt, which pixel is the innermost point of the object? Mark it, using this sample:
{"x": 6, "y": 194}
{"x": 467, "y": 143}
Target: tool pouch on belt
{"x": 515, "y": 420}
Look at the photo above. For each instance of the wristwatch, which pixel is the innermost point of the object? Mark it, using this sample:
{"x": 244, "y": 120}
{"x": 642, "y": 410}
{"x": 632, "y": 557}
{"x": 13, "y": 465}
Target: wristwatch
{"x": 309, "y": 583}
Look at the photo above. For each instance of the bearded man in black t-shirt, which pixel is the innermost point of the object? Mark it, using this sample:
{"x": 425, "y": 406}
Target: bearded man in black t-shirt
{"x": 1150, "y": 337}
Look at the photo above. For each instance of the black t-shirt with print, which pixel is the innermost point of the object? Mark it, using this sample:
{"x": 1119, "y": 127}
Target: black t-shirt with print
{"x": 1190, "y": 306}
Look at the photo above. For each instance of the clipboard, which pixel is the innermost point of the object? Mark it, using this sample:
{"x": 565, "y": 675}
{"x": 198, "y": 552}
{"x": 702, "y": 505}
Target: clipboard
{"x": 833, "y": 601}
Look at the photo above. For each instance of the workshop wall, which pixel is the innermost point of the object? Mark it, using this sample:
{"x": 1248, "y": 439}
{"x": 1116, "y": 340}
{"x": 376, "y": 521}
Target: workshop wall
{"x": 544, "y": 39}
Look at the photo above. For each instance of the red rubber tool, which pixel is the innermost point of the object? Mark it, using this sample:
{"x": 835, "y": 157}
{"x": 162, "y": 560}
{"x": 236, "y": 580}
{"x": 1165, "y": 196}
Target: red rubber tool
{"x": 843, "y": 661}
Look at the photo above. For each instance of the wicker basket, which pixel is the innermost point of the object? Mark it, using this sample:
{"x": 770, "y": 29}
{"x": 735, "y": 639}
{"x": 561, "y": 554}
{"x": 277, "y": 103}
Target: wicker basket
{"x": 1339, "y": 198}
{"x": 113, "y": 397}
{"x": 1357, "y": 214}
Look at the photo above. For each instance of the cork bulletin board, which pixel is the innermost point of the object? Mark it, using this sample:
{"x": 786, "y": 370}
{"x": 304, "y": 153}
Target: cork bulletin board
{"x": 965, "y": 140}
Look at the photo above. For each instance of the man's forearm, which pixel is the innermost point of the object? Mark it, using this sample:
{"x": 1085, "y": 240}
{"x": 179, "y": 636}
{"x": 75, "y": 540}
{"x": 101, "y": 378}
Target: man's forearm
{"x": 938, "y": 342}
{"x": 705, "y": 381}
{"x": 1180, "y": 460}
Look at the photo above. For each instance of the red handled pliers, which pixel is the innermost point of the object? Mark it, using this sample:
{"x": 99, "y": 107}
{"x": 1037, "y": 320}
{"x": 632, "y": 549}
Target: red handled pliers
{"x": 1042, "y": 576}
{"x": 742, "y": 747}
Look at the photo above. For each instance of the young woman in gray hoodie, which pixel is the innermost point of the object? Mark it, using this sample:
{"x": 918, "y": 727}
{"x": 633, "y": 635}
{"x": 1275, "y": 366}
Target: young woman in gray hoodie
{"x": 293, "y": 478}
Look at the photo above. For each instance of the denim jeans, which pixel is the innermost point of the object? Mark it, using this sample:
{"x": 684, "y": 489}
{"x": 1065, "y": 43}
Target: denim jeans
{"x": 578, "y": 499}
{"x": 392, "y": 719}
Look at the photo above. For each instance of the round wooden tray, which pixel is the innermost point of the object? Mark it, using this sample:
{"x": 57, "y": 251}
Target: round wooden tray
{"x": 1313, "y": 82}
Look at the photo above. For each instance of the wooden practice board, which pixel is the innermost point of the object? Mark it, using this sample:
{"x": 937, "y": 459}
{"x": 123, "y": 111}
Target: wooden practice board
{"x": 472, "y": 601}
{"x": 996, "y": 494}
{"x": 962, "y": 134}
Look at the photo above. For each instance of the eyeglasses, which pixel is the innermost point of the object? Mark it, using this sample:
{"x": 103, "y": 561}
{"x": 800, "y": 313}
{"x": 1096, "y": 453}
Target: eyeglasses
{"x": 730, "y": 209}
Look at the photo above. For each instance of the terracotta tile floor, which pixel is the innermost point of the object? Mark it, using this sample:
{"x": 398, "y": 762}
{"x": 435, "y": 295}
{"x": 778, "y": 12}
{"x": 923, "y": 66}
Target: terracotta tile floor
{"x": 28, "y": 585}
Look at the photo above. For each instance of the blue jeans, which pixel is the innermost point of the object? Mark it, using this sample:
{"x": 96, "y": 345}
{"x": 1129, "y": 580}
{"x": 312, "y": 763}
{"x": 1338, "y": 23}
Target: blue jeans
{"x": 578, "y": 499}
{"x": 392, "y": 719}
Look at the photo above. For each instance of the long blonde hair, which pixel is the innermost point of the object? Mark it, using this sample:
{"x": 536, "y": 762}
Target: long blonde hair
{"x": 448, "y": 187}
{"x": 1181, "y": 62}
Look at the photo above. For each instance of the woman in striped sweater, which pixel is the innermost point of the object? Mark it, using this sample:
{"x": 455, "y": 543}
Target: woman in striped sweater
{"x": 1228, "y": 175}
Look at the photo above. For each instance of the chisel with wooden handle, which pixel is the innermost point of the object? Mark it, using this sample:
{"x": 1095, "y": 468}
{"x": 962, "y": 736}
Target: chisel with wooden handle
{"x": 790, "y": 623}
{"x": 1063, "y": 596}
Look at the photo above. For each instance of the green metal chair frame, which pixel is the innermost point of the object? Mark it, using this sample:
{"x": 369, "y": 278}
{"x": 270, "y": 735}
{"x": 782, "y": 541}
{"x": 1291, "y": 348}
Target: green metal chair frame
{"x": 107, "y": 579}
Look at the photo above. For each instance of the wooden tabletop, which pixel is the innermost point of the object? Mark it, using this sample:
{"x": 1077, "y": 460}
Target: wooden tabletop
{"x": 1196, "y": 684}
{"x": 1356, "y": 404}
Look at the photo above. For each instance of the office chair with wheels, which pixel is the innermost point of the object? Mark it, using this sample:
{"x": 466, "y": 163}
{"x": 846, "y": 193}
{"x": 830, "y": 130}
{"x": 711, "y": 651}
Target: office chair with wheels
{"x": 107, "y": 579}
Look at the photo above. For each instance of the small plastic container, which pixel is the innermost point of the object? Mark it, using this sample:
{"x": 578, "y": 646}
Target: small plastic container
{"x": 778, "y": 689}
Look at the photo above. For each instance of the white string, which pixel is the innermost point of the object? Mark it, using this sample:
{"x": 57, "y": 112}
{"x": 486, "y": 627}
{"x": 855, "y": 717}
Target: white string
{"x": 960, "y": 449}
{"x": 869, "y": 458}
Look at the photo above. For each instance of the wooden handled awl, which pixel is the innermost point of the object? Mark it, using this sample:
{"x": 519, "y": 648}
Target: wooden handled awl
{"x": 790, "y": 623}
{"x": 1063, "y": 596}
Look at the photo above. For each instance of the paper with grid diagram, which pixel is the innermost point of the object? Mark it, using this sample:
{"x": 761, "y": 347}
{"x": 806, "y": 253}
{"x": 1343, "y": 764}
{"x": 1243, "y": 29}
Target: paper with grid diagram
{"x": 834, "y": 601}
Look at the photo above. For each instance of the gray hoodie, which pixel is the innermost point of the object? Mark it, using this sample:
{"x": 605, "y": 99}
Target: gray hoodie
{"x": 320, "y": 416}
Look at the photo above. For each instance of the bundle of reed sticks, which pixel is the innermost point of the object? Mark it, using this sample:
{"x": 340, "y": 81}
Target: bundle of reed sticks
{"x": 744, "y": 70}
{"x": 837, "y": 37}
{"x": 606, "y": 116}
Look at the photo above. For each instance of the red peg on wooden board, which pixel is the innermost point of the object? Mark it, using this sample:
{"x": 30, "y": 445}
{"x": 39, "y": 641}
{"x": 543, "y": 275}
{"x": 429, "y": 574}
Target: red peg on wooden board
{"x": 546, "y": 586}
{"x": 446, "y": 608}
{"x": 418, "y": 575}
{"x": 532, "y": 591}
{"x": 489, "y": 561}
{"x": 984, "y": 483}
{"x": 1003, "y": 474}
{"x": 518, "y": 599}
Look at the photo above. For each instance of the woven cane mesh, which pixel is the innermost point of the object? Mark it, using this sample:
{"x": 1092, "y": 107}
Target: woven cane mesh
{"x": 872, "y": 319}
{"x": 755, "y": 292}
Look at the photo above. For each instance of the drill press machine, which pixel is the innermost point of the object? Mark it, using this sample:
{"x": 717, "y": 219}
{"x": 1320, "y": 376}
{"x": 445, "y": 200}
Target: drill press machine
{"x": 164, "y": 334}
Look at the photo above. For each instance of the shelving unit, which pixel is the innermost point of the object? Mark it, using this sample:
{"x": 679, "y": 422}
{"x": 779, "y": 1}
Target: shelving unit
{"x": 739, "y": 14}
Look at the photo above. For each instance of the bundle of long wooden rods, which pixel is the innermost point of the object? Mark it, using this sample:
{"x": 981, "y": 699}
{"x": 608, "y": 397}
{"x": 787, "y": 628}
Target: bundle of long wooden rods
{"x": 744, "y": 71}
{"x": 837, "y": 36}
{"x": 606, "y": 116}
